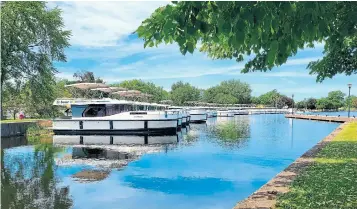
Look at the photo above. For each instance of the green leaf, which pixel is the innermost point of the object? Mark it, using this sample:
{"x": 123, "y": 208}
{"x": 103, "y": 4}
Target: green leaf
{"x": 204, "y": 27}
{"x": 168, "y": 26}
{"x": 272, "y": 53}
{"x": 183, "y": 50}
{"x": 190, "y": 47}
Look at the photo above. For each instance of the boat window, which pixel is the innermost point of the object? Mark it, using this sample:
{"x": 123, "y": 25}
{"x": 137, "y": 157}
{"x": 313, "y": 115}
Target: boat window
{"x": 77, "y": 110}
{"x": 138, "y": 113}
{"x": 94, "y": 111}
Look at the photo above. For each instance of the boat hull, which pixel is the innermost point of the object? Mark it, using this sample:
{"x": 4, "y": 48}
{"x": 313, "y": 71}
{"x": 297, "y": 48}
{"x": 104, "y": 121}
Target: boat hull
{"x": 90, "y": 127}
{"x": 225, "y": 114}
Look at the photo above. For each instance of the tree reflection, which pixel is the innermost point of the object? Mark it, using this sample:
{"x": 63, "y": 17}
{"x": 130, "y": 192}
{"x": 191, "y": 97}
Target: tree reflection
{"x": 231, "y": 132}
{"x": 28, "y": 179}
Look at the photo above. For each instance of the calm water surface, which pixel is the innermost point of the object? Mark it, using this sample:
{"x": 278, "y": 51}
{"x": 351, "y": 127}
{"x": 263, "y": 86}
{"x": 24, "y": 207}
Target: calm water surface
{"x": 211, "y": 166}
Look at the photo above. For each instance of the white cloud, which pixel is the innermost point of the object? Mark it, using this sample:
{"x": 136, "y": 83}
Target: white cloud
{"x": 301, "y": 61}
{"x": 102, "y": 23}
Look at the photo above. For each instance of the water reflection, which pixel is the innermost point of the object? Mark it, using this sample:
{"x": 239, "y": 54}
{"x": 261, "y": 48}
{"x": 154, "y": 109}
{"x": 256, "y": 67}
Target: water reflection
{"x": 180, "y": 185}
{"x": 28, "y": 179}
{"x": 198, "y": 168}
{"x": 231, "y": 131}
{"x": 9, "y": 142}
{"x": 109, "y": 152}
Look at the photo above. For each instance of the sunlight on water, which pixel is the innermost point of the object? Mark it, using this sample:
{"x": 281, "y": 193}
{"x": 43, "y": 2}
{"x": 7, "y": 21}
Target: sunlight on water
{"x": 212, "y": 165}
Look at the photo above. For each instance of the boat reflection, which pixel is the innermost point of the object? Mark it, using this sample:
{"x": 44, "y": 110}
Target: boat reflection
{"x": 109, "y": 152}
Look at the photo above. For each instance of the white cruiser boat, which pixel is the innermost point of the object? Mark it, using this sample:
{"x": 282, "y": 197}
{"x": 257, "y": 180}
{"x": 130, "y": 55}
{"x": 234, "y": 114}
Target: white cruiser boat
{"x": 241, "y": 112}
{"x": 225, "y": 113}
{"x": 111, "y": 116}
{"x": 198, "y": 115}
{"x": 211, "y": 113}
{"x": 185, "y": 116}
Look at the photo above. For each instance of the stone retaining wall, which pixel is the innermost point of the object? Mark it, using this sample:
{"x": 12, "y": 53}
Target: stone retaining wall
{"x": 19, "y": 128}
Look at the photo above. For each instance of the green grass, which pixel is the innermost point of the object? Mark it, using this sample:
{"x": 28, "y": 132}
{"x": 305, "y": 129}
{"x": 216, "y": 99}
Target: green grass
{"x": 331, "y": 182}
{"x": 18, "y": 120}
{"x": 231, "y": 131}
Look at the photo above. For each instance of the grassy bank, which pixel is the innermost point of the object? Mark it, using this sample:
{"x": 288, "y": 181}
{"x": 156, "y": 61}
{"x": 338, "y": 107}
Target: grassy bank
{"x": 331, "y": 182}
{"x": 18, "y": 120}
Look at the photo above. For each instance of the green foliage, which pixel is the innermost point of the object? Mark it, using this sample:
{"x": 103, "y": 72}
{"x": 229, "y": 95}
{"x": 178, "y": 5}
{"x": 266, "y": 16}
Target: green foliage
{"x": 37, "y": 130}
{"x": 275, "y": 99}
{"x": 349, "y": 101}
{"x": 145, "y": 87}
{"x": 311, "y": 103}
{"x": 331, "y": 181}
{"x": 300, "y": 105}
{"x": 254, "y": 100}
{"x": 35, "y": 98}
{"x": 334, "y": 100}
{"x": 32, "y": 37}
{"x": 231, "y": 131}
{"x": 229, "y": 92}
{"x": 271, "y": 31}
{"x": 86, "y": 77}
{"x": 184, "y": 92}
{"x": 222, "y": 98}
{"x": 29, "y": 181}
{"x": 354, "y": 102}
{"x": 324, "y": 103}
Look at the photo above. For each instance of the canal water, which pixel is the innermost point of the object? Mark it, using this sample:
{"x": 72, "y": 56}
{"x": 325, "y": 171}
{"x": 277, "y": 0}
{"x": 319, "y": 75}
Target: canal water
{"x": 212, "y": 165}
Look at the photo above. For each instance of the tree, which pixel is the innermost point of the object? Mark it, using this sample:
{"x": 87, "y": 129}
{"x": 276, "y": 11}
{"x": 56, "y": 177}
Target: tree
{"x": 32, "y": 37}
{"x": 324, "y": 103}
{"x": 13, "y": 98}
{"x": 349, "y": 100}
{"x": 229, "y": 89}
{"x": 271, "y": 31}
{"x": 222, "y": 98}
{"x": 354, "y": 102}
{"x": 301, "y": 105}
{"x": 336, "y": 98}
{"x": 254, "y": 100}
{"x": 275, "y": 99}
{"x": 157, "y": 92}
{"x": 86, "y": 77}
{"x": 284, "y": 101}
{"x": 311, "y": 103}
{"x": 269, "y": 98}
{"x": 184, "y": 92}
{"x": 34, "y": 100}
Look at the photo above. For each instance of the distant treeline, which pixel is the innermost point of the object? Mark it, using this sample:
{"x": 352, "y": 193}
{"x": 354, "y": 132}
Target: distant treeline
{"x": 37, "y": 100}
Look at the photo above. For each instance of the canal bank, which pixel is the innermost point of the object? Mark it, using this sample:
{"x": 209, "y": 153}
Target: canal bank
{"x": 294, "y": 186}
{"x": 19, "y": 128}
{"x": 328, "y": 118}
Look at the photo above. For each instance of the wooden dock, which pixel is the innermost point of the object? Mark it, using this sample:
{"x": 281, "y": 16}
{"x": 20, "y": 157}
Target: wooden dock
{"x": 340, "y": 119}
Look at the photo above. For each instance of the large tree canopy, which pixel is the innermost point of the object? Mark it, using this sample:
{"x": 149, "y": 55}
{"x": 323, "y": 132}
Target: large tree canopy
{"x": 275, "y": 99}
{"x": 229, "y": 92}
{"x": 157, "y": 92}
{"x": 184, "y": 92}
{"x": 32, "y": 37}
{"x": 269, "y": 31}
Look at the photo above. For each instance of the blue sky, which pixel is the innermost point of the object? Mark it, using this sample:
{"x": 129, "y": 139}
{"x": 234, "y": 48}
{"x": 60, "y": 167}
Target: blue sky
{"x": 101, "y": 42}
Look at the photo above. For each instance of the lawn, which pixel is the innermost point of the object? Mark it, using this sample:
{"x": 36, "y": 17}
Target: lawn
{"x": 331, "y": 182}
{"x": 18, "y": 120}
